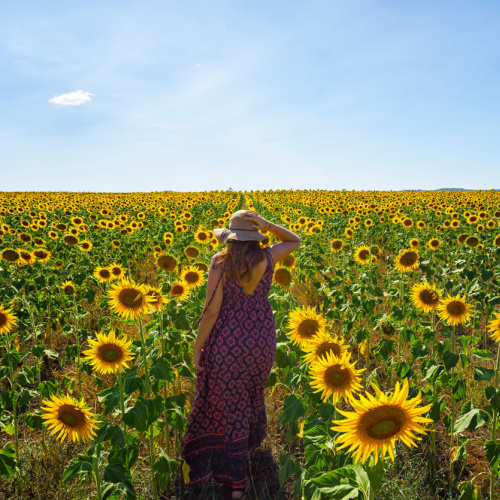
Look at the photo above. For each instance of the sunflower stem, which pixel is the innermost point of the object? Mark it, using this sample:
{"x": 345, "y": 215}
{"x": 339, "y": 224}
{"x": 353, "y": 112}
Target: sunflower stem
{"x": 493, "y": 474}
{"x": 163, "y": 350}
{"x": 122, "y": 407}
{"x": 433, "y": 434}
{"x": 78, "y": 348}
{"x": 14, "y": 414}
{"x": 452, "y": 439}
{"x": 97, "y": 477}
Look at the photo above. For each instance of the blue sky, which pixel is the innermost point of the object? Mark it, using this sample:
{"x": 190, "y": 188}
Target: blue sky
{"x": 199, "y": 95}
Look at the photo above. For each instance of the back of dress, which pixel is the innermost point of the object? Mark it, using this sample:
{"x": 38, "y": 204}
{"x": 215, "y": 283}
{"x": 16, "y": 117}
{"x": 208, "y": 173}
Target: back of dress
{"x": 228, "y": 420}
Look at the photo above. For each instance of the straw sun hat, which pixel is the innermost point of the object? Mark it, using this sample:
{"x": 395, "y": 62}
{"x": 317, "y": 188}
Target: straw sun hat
{"x": 239, "y": 229}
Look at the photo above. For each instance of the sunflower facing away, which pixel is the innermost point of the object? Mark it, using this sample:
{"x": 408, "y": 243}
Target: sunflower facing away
{"x": 179, "y": 291}
{"x": 378, "y": 422}
{"x": 282, "y": 276}
{"x": 407, "y": 260}
{"x": 69, "y": 418}
{"x": 128, "y": 299}
{"x": 109, "y": 354}
{"x": 8, "y": 320}
{"x": 322, "y": 344}
{"x": 425, "y": 297}
{"x": 335, "y": 376}
{"x": 166, "y": 262}
{"x": 454, "y": 310}
{"x": 192, "y": 276}
{"x": 493, "y": 327}
{"x": 304, "y": 324}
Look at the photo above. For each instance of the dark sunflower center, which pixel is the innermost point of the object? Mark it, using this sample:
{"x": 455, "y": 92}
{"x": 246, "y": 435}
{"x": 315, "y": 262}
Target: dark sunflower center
{"x": 429, "y": 297}
{"x": 337, "y": 245}
{"x": 192, "y": 277}
{"x": 104, "y": 273}
{"x": 283, "y": 277}
{"x": 69, "y": 290}
{"x": 70, "y": 240}
{"x": 434, "y": 243}
{"x": 3, "y": 319}
{"x": 116, "y": 271}
{"x": 383, "y": 422}
{"x": 177, "y": 290}
{"x": 192, "y": 252}
{"x": 202, "y": 236}
{"x": 408, "y": 259}
{"x": 130, "y": 298}
{"x": 328, "y": 347}
{"x": 71, "y": 416}
{"x": 308, "y": 328}
{"x": 10, "y": 255}
{"x": 288, "y": 261}
{"x": 456, "y": 308}
{"x": 336, "y": 376}
{"x": 110, "y": 353}
{"x": 167, "y": 263}
{"x": 364, "y": 254}
{"x": 472, "y": 241}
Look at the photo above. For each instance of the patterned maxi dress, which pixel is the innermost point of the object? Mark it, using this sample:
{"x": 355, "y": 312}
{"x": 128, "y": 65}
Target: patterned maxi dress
{"x": 228, "y": 420}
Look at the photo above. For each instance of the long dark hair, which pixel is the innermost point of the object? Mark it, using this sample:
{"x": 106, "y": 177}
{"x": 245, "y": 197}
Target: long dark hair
{"x": 239, "y": 258}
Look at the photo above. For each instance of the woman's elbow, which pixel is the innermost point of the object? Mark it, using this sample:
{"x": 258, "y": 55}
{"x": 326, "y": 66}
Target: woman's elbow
{"x": 212, "y": 313}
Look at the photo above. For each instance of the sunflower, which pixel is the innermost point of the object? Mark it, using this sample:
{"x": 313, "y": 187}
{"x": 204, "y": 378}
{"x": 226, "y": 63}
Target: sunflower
{"x": 454, "y": 310}
{"x": 69, "y": 418}
{"x": 103, "y": 275}
{"x": 128, "y": 299}
{"x": 116, "y": 270}
{"x": 462, "y": 237}
{"x": 282, "y": 276}
{"x": 191, "y": 252}
{"x": 27, "y": 257}
{"x": 497, "y": 241}
{"x": 166, "y": 262}
{"x": 289, "y": 261}
{"x": 116, "y": 243}
{"x": 407, "y": 260}
{"x": 41, "y": 254}
{"x": 425, "y": 297}
{"x": 493, "y": 327}
{"x": 433, "y": 244}
{"x": 305, "y": 324}
{"x": 201, "y": 266}
{"x": 335, "y": 376}
{"x": 8, "y": 320}
{"x": 414, "y": 243}
{"x": 53, "y": 235}
{"x": 336, "y": 245}
{"x": 348, "y": 232}
{"x": 202, "y": 236}
{"x": 156, "y": 299}
{"x": 179, "y": 290}
{"x": 10, "y": 255}
{"x": 378, "y": 422}
{"x": 472, "y": 241}
{"x": 192, "y": 276}
{"x": 70, "y": 240}
{"x": 85, "y": 246}
{"x": 109, "y": 354}
{"x": 362, "y": 255}
{"x": 68, "y": 288}
{"x": 322, "y": 344}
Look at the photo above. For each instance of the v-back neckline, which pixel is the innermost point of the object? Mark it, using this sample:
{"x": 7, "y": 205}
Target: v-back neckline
{"x": 257, "y": 285}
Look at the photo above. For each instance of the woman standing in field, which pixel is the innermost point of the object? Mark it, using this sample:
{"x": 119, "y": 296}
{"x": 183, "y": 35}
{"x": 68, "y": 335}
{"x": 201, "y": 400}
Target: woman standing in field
{"x": 234, "y": 352}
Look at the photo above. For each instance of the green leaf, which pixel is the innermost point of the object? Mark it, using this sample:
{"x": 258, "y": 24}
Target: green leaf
{"x": 471, "y": 419}
{"x": 162, "y": 370}
{"x": 469, "y": 491}
{"x": 163, "y": 469}
{"x": 81, "y": 465}
{"x": 461, "y": 451}
{"x": 450, "y": 360}
{"x": 458, "y": 389}
{"x": 7, "y": 461}
{"x": 492, "y": 451}
{"x": 110, "y": 397}
{"x": 115, "y": 473}
{"x": 493, "y": 396}
{"x": 481, "y": 373}
{"x": 34, "y": 421}
{"x": 293, "y": 410}
{"x": 137, "y": 416}
{"x": 481, "y": 353}
{"x": 437, "y": 407}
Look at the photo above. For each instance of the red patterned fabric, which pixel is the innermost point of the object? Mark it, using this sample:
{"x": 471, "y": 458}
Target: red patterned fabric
{"x": 228, "y": 420}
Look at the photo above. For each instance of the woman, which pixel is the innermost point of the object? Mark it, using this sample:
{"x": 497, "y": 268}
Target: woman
{"x": 234, "y": 352}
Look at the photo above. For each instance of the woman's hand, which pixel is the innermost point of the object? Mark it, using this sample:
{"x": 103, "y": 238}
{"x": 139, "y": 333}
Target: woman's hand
{"x": 260, "y": 222}
{"x": 198, "y": 353}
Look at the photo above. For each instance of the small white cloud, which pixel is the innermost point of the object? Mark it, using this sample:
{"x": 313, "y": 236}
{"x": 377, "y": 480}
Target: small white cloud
{"x": 71, "y": 99}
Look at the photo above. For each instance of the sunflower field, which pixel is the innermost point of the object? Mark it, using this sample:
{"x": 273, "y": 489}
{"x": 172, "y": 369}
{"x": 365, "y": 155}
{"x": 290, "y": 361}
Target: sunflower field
{"x": 386, "y": 378}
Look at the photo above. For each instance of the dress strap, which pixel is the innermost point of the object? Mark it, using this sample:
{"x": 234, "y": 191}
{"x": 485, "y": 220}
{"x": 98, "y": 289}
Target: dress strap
{"x": 209, "y": 302}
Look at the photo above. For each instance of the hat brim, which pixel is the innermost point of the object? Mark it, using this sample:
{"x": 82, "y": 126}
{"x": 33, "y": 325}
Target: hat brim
{"x": 224, "y": 234}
